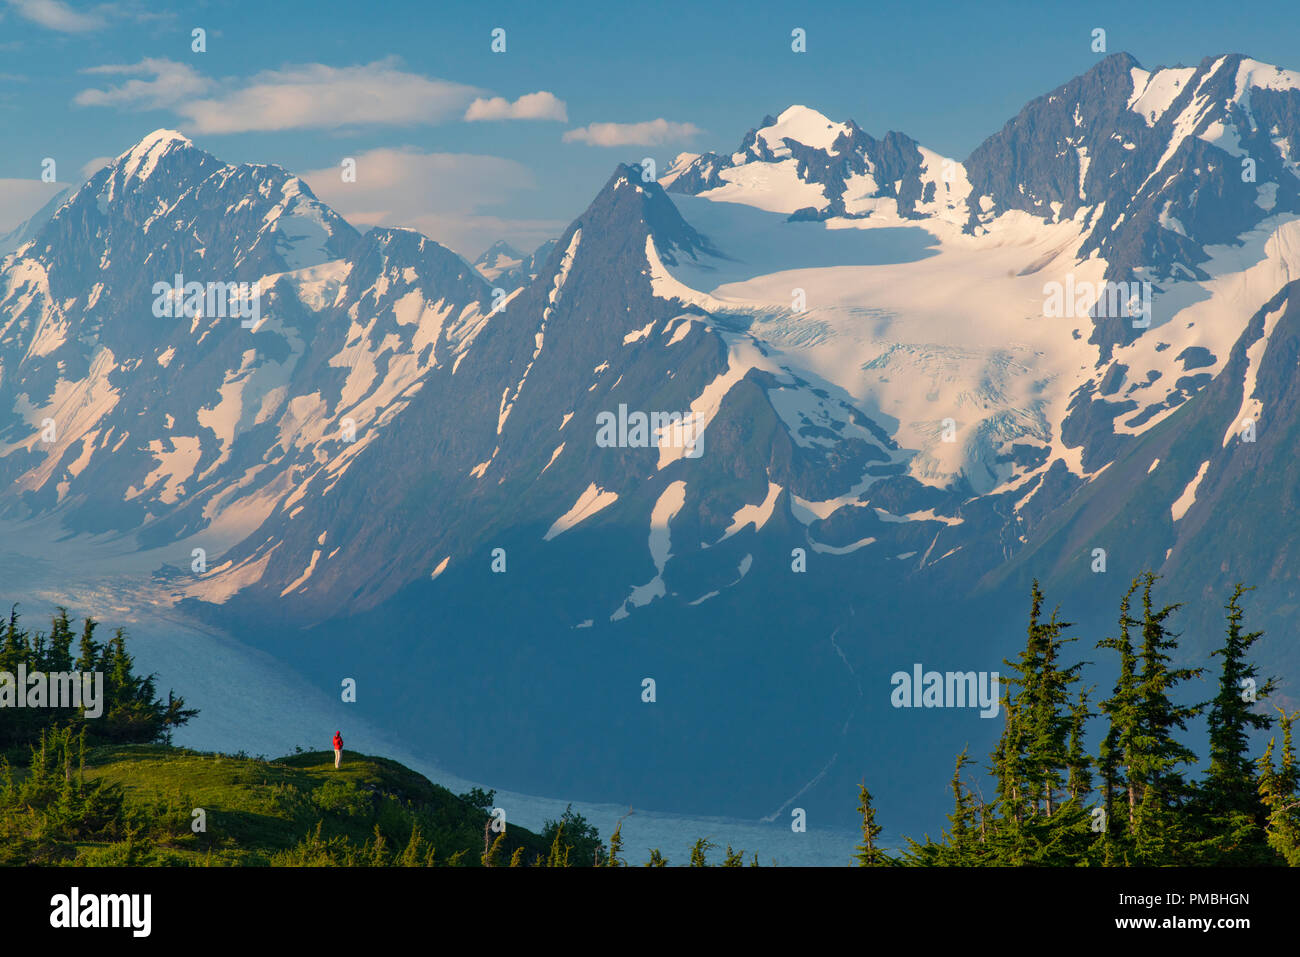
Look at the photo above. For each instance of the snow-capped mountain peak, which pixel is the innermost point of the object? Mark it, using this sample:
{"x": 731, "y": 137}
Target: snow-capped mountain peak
{"x": 809, "y": 167}
{"x": 500, "y": 260}
{"x": 163, "y": 154}
{"x": 142, "y": 158}
{"x": 803, "y": 125}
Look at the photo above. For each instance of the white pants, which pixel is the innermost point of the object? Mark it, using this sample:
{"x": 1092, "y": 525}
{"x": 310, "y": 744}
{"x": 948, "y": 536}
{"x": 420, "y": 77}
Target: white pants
{"x": 338, "y": 756}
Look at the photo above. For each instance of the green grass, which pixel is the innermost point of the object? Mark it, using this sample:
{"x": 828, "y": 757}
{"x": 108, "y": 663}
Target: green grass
{"x": 292, "y": 810}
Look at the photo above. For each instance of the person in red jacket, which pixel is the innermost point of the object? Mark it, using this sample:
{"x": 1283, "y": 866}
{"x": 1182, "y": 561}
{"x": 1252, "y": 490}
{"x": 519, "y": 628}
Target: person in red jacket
{"x": 338, "y": 748}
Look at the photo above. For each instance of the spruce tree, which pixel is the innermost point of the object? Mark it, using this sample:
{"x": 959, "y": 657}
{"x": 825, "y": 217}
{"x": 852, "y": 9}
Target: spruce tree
{"x": 14, "y": 647}
{"x": 1017, "y": 794}
{"x": 1035, "y": 744}
{"x": 1119, "y": 796}
{"x": 699, "y": 850}
{"x": 559, "y": 856}
{"x": 868, "y": 854}
{"x": 1233, "y": 815}
{"x": 1006, "y": 762}
{"x": 616, "y": 847}
{"x": 1279, "y": 791}
{"x": 1008, "y": 838}
{"x": 59, "y": 656}
{"x": 1078, "y": 783}
{"x": 1050, "y": 720}
{"x": 1032, "y": 760}
{"x": 962, "y": 844}
{"x": 1160, "y": 826}
{"x": 88, "y": 659}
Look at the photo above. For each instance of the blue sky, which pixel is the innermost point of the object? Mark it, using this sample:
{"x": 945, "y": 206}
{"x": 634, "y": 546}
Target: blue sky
{"x": 304, "y": 84}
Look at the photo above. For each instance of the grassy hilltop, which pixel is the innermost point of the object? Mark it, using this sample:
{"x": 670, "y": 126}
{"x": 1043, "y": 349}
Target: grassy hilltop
{"x": 134, "y": 804}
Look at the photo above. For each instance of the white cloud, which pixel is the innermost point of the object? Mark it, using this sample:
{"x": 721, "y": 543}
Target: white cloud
{"x": 315, "y": 95}
{"x": 304, "y": 96}
{"x": 457, "y": 182}
{"x": 531, "y": 106}
{"x": 443, "y": 195}
{"x": 171, "y": 84}
{"x": 55, "y": 15}
{"x": 650, "y": 133}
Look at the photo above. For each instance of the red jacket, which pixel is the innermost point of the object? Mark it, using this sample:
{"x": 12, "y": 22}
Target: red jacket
{"x": 338, "y": 742}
